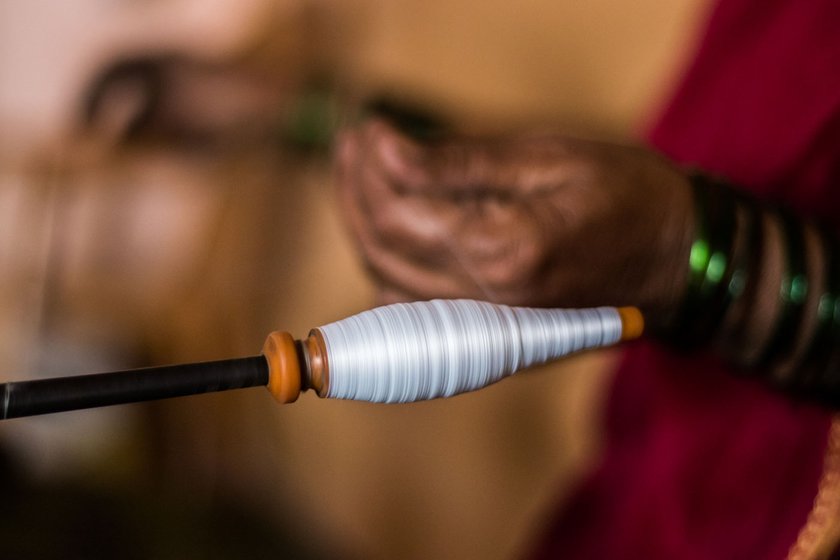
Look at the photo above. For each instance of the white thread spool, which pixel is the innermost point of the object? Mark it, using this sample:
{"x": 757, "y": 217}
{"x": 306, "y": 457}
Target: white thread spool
{"x": 424, "y": 350}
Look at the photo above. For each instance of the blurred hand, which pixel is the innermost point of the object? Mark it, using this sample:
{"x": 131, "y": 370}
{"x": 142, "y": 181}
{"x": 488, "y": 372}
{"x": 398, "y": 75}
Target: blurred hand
{"x": 539, "y": 220}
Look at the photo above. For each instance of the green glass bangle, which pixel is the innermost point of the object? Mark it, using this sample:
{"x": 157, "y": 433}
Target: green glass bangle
{"x": 746, "y": 261}
{"x": 701, "y": 249}
{"x": 715, "y": 288}
{"x": 746, "y": 276}
{"x": 793, "y": 293}
{"x": 710, "y": 264}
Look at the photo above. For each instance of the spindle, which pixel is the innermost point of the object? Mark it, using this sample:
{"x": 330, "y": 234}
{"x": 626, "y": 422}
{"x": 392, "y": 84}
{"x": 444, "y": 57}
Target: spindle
{"x": 398, "y": 353}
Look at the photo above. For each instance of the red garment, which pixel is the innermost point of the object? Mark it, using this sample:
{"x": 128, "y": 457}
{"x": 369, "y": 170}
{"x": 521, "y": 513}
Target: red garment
{"x": 700, "y": 463}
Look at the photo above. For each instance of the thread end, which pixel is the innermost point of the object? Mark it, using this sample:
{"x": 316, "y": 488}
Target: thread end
{"x": 632, "y": 323}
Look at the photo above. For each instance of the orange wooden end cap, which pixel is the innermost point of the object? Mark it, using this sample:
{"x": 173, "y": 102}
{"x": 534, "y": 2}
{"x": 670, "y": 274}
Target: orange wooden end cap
{"x": 284, "y": 372}
{"x": 632, "y": 323}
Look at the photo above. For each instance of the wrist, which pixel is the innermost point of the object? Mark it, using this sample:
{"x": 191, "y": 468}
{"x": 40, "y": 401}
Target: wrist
{"x": 781, "y": 314}
{"x": 662, "y": 293}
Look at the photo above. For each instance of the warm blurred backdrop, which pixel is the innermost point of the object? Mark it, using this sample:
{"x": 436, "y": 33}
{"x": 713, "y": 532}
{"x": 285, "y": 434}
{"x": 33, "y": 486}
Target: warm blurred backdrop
{"x": 165, "y": 196}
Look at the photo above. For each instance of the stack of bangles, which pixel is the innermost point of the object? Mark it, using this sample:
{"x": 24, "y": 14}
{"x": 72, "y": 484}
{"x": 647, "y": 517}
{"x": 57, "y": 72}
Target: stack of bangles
{"x": 801, "y": 354}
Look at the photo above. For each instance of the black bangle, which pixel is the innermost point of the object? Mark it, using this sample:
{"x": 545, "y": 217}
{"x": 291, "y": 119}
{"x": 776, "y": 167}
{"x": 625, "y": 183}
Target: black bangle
{"x": 817, "y": 371}
{"x": 751, "y": 254}
{"x": 793, "y": 293}
{"x": 825, "y": 387}
{"x": 746, "y": 270}
{"x": 828, "y": 389}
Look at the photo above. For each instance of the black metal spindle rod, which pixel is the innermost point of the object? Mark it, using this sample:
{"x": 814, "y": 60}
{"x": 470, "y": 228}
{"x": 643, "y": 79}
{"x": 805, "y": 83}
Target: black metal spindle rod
{"x": 42, "y": 396}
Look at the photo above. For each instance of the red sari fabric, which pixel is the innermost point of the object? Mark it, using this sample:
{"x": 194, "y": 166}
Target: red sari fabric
{"x": 700, "y": 463}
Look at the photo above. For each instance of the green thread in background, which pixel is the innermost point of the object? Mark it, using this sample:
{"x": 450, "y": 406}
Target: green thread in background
{"x": 312, "y": 120}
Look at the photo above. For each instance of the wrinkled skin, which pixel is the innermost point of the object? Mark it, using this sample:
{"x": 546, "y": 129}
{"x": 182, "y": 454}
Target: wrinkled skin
{"x": 537, "y": 219}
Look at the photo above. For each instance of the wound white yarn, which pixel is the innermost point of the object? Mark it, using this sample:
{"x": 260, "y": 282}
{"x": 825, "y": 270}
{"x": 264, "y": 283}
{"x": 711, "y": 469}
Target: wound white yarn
{"x": 425, "y": 350}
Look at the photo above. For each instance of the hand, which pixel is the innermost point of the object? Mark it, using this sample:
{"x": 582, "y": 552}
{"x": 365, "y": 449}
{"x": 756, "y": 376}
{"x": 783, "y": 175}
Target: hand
{"x": 538, "y": 219}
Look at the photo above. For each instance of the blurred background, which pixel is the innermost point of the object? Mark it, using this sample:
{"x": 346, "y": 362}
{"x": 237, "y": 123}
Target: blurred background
{"x": 166, "y": 196}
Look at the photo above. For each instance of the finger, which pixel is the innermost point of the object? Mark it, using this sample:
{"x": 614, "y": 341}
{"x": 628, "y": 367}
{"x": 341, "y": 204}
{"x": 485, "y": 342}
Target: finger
{"x": 364, "y": 197}
{"x": 346, "y": 172}
{"x": 380, "y": 214}
{"x": 361, "y": 169}
{"x": 449, "y": 246}
{"x": 402, "y": 265}
{"x": 498, "y": 266}
{"x": 367, "y": 199}
{"x": 402, "y": 159}
{"x": 424, "y": 245}
{"x": 488, "y": 249}
{"x": 465, "y": 168}
{"x": 484, "y": 266}
{"x": 438, "y": 168}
